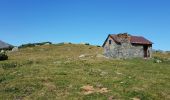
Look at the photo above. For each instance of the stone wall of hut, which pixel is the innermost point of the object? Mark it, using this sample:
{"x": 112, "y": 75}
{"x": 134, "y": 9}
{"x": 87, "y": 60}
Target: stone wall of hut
{"x": 124, "y": 50}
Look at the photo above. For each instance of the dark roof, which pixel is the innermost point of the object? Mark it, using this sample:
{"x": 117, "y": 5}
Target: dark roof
{"x": 133, "y": 39}
{"x": 140, "y": 40}
{"x": 4, "y": 45}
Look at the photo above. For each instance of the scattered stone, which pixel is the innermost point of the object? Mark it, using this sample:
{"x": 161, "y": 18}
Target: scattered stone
{"x": 37, "y": 45}
{"x": 88, "y": 89}
{"x": 86, "y": 56}
{"x": 103, "y": 73}
{"x": 158, "y": 61}
{"x": 57, "y": 62}
{"x": 2, "y": 51}
{"x": 47, "y": 44}
{"x": 135, "y": 98}
{"x": 111, "y": 98}
{"x": 42, "y": 49}
{"x": 121, "y": 82}
{"x": 100, "y": 56}
{"x": 50, "y": 86}
{"x": 129, "y": 77}
{"x": 103, "y": 90}
{"x": 84, "y": 43}
{"x": 66, "y": 62}
{"x": 118, "y": 73}
{"x": 99, "y": 86}
{"x": 88, "y": 92}
{"x": 66, "y": 42}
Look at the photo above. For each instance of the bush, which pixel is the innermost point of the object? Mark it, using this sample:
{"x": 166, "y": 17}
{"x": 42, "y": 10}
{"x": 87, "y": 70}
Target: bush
{"x": 27, "y": 45}
{"x": 87, "y": 43}
{"x": 3, "y": 56}
{"x": 34, "y": 44}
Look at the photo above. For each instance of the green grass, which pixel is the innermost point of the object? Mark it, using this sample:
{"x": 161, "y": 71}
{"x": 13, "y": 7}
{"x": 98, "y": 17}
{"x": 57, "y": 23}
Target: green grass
{"x": 57, "y": 72}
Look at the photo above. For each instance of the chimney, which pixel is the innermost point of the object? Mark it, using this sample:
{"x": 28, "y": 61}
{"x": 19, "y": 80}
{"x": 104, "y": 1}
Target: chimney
{"x": 123, "y": 37}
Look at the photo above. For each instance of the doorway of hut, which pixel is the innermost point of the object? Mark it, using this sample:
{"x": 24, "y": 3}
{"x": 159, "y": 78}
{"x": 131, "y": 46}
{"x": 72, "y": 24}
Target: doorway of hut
{"x": 145, "y": 49}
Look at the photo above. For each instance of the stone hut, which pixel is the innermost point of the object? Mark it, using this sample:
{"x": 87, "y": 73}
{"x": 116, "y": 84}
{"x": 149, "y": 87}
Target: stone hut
{"x": 124, "y": 45}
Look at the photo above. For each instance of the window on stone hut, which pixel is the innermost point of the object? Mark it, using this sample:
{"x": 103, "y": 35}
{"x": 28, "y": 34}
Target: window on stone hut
{"x": 110, "y": 41}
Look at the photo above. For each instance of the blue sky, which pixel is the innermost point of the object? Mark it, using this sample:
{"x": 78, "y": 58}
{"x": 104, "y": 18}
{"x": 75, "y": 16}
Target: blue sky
{"x": 25, "y": 21}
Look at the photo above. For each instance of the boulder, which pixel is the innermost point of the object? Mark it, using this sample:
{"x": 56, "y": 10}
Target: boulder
{"x": 101, "y": 56}
{"x": 15, "y": 49}
{"x": 81, "y": 56}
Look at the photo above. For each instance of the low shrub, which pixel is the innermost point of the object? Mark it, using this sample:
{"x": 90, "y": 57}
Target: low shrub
{"x": 3, "y": 56}
{"x": 12, "y": 90}
{"x": 8, "y": 65}
{"x": 160, "y": 60}
{"x": 33, "y": 44}
{"x": 87, "y": 43}
{"x": 27, "y": 45}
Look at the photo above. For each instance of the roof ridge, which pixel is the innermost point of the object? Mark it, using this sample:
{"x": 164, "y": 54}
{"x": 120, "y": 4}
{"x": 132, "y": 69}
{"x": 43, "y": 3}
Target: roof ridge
{"x": 133, "y": 39}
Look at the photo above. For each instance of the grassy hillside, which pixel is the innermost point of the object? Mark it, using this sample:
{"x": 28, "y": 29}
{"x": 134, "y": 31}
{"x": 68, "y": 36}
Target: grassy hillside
{"x": 60, "y": 71}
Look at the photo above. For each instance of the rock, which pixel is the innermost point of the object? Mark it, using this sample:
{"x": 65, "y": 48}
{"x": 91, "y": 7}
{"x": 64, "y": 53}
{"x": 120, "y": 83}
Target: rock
{"x": 57, "y": 62}
{"x": 88, "y": 92}
{"x": 168, "y": 59}
{"x": 37, "y": 45}
{"x": 121, "y": 82}
{"x": 50, "y": 86}
{"x": 66, "y": 43}
{"x": 15, "y": 49}
{"x": 83, "y": 43}
{"x": 42, "y": 49}
{"x": 99, "y": 85}
{"x": 81, "y": 56}
{"x": 129, "y": 77}
{"x": 103, "y": 90}
{"x": 100, "y": 56}
{"x": 158, "y": 61}
{"x": 47, "y": 44}
{"x": 86, "y": 55}
{"x": 135, "y": 98}
{"x": 88, "y": 89}
{"x": 118, "y": 73}
{"x": 103, "y": 73}
{"x": 2, "y": 51}
{"x": 111, "y": 98}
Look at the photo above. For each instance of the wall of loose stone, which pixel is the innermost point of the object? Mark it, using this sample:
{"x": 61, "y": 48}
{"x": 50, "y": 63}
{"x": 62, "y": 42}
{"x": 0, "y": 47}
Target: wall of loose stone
{"x": 150, "y": 51}
{"x": 125, "y": 50}
{"x": 110, "y": 49}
